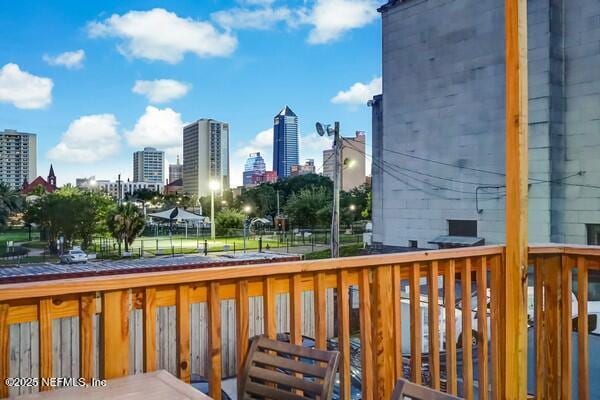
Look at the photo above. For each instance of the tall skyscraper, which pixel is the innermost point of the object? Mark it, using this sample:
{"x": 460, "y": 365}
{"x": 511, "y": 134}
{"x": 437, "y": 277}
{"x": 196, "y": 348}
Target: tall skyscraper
{"x": 18, "y": 158}
{"x": 205, "y": 156}
{"x": 149, "y": 165}
{"x": 285, "y": 142}
{"x": 254, "y": 169}
{"x": 353, "y": 156}
{"x": 175, "y": 171}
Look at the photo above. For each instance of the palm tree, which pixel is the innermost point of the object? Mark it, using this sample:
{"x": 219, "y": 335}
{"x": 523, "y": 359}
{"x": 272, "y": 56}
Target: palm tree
{"x": 10, "y": 202}
{"x": 125, "y": 223}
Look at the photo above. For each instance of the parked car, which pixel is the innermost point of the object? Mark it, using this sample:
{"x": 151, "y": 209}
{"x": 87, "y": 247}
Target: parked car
{"x": 74, "y": 256}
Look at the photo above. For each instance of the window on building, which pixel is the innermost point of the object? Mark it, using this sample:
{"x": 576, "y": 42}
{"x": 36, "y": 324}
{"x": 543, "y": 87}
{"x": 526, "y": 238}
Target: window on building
{"x": 413, "y": 243}
{"x": 460, "y": 227}
{"x": 593, "y": 234}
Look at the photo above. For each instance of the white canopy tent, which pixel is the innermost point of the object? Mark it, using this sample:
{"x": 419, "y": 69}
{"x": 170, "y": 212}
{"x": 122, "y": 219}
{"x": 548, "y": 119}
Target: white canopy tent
{"x": 179, "y": 214}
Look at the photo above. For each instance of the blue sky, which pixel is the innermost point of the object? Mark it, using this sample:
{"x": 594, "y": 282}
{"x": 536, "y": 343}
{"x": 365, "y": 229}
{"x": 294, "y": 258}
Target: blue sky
{"x": 68, "y": 71}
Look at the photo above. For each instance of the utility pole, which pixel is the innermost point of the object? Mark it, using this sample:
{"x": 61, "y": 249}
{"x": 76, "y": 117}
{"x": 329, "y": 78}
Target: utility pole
{"x": 335, "y": 216}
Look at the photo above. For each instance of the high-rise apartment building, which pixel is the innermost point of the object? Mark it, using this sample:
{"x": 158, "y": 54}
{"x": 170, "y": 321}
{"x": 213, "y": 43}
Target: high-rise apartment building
{"x": 285, "y": 142}
{"x": 353, "y": 160}
{"x": 175, "y": 171}
{"x": 18, "y": 158}
{"x": 254, "y": 169}
{"x": 205, "y": 156}
{"x": 149, "y": 165}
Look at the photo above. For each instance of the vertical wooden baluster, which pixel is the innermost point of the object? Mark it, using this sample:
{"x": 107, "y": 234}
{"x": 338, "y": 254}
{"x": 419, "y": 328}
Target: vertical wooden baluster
{"x": 115, "y": 334}
{"x": 434, "y": 321}
{"x": 295, "y": 309}
{"x": 365, "y": 334}
{"x": 87, "y": 310}
{"x": 582, "y": 327}
{"x": 450, "y": 309}
{"x": 467, "y": 335}
{"x": 550, "y": 344}
{"x": 4, "y": 349}
{"x": 150, "y": 330}
{"x": 319, "y": 295}
{"x": 538, "y": 326}
{"x": 397, "y": 299}
{"x": 270, "y": 318}
{"x": 382, "y": 335}
{"x": 242, "y": 328}
{"x": 214, "y": 341}
{"x": 45, "y": 338}
{"x": 183, "y": 332}
{"x": 566, "y": 326}
{"x": 343, "y": 332}
{"x": 296, "y": 315}
{"x": 496, "y": 292}
{"x": 482, "y": 327}
{"x": 415, "y": 323}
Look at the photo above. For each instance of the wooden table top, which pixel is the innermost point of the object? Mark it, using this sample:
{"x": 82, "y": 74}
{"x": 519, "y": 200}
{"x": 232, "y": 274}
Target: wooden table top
{"x": 157, "y": 385}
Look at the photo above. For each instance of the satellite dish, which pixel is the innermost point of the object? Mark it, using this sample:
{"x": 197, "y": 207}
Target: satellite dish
{"x": 320, "y": 129}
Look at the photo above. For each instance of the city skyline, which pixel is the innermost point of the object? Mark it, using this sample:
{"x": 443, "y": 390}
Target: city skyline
{"x": 90, "y": 118}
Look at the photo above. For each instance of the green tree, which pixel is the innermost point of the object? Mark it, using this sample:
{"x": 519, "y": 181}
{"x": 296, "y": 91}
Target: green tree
{"x": 125, "y": 223}
{"x": 310, "y": 208}
{"x": 228, "y": 221}
{"x": 262, "y": 200}
{"x": 10, "y": 202}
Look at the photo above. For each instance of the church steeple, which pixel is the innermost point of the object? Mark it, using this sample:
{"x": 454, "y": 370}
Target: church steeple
{"x": 52, "y": 177}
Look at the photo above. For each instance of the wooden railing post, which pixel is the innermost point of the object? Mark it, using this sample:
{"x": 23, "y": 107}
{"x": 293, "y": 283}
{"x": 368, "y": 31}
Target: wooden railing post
{"x": 87, "y": 310}
{"x": 4, "y": 347}
{"x": 513, "y": 338}
{"x": 383, "y": 332}
{"x": 183, "y": 333}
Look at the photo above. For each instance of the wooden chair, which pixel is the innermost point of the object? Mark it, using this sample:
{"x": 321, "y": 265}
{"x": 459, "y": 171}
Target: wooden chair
{"x": 280, "y": 370}
{"x": 405, "y": 389}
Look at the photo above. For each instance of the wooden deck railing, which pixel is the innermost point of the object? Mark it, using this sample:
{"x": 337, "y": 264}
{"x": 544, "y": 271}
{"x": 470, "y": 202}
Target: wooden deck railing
{"x": 403, "y": 331}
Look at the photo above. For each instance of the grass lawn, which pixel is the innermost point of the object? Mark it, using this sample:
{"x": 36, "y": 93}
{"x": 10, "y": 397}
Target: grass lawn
{"x": 345, "y": 251}
{"x": 18, "y": 235}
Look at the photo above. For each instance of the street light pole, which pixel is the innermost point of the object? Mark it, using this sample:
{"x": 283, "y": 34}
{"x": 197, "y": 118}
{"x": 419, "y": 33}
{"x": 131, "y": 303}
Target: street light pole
{"x": 214, "y": 186}
{"x": 335, "y": 217}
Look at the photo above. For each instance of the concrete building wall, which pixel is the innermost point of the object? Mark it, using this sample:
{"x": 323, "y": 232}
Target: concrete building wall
{"x": 442, "y": 147}
{"x": 353, "y": 152}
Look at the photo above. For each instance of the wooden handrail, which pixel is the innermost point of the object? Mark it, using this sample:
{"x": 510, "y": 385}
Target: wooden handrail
{"x": 13, "y": 291}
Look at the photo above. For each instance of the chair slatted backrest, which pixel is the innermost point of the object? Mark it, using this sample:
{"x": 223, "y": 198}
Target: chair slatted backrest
{"x": 408, "y": 390}
{"x": 280, "y": 370}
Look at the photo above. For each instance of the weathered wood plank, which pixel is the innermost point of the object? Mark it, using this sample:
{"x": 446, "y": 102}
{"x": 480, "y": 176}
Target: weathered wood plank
{"x": 467, "y": 334}
{"x": 115, "y": 334}
{"x": 343, "y": 333}
{"x": 366, "y": 342}
{"x": 320, "y": 311}
{"x": 434, "y": 329}
{"x": 513, "y": 340}
{"x": 214, "y": 341}
{"x": 45, "y": 338}
{"x": 482, "y": 328}
{"x": 4, "y": 349}
{"x": 383, "y": 331}
{"x": 582, "y": 327}
{"x": 450, "y": 301}
{"x": 538, "y": 325}
{"x": 86, "y": 335}
{"x": 183, "y": 333}
{"x": 415, "y": 323}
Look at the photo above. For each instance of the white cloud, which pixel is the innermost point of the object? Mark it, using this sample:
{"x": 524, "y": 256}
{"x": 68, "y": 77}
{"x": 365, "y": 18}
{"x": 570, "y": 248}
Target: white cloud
{"x": 24, "y": 90}
{"x": 243, "y": 18}
{"x": 161, "y": 90}
{"x": 158, "y": 34}
{"x": 332, "y": 18}
{"x": 160, "y": 128}
{"x": 359, "y": 93}
{"x": 312, "y": 146}
{"x": 88, "y": 139}
{"x": 68, "y": 59}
